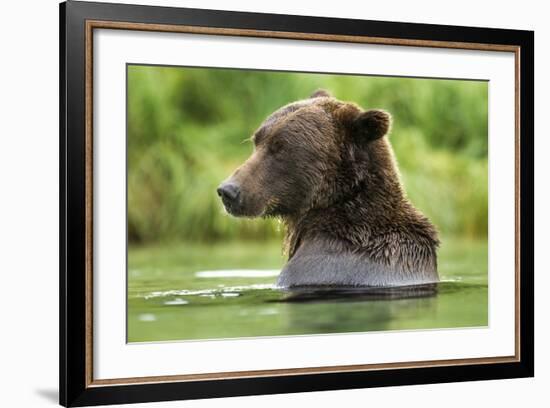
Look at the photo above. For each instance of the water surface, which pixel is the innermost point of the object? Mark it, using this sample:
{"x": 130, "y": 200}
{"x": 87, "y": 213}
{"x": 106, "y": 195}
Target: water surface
{"x": 191, "y": 292}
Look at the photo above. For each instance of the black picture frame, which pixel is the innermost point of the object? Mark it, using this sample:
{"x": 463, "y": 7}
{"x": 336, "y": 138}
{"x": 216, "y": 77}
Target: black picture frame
{"x": 75, "y": 387}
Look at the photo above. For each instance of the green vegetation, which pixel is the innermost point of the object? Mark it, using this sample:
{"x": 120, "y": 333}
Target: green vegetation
{"x": 187, "y": 131}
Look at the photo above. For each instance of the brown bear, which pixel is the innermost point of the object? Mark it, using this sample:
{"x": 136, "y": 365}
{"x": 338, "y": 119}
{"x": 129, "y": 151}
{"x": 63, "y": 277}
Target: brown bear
{"x": 327, "y": 169}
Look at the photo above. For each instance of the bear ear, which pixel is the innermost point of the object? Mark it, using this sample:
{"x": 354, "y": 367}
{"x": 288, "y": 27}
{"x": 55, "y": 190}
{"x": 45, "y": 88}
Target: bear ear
{"x": 320, "y": 93}
{"x": 371, "y": 125}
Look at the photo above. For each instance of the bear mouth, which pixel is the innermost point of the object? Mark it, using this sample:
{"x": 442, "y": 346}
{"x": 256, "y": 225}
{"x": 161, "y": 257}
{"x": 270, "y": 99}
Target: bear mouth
{"x": 234, "y": 207}
{"x": 231, "y": 208}
{"x": 238, "y": 208}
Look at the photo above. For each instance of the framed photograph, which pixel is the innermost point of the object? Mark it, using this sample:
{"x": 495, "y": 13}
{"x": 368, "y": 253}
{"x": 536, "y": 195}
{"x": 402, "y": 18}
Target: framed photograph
{"x": 257, "y": 204}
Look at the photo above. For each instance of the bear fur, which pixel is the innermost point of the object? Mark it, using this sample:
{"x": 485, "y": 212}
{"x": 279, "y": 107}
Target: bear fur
{"x": 327, "y": 169}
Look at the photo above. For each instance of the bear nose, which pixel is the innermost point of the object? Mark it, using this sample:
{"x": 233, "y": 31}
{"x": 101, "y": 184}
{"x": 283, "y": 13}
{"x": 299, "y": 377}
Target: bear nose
{"x": 228, "y": 191}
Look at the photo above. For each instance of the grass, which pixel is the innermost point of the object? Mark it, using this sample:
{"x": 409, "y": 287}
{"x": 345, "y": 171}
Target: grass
{"x": 186, "y": 128}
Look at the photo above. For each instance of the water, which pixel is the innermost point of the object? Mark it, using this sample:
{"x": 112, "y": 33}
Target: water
{"x": 171, "y": 298}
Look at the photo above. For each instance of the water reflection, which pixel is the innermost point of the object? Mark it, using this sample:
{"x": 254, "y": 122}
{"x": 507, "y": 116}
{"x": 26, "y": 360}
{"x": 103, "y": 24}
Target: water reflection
{"x": 339, "y": 310}
{"x": 266, "y": 310}
{"x": 312, "y": 294}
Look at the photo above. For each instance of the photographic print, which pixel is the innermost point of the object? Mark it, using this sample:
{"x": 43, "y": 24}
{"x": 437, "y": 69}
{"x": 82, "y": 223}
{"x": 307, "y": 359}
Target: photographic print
{"x": 235, "y": 183}
{"x": 269, "y": 203}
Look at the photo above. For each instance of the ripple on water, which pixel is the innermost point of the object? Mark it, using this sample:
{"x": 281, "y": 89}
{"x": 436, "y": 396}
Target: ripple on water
{"x": 176, "y": 302}
{"x": 239, "y": 273}
{"x": 262, "y": 293}
{"x": 228, "y": 291}
{"x": 268, "y": 311}
{"x": 147, "y": 317}
{"x": 230, "y": 294}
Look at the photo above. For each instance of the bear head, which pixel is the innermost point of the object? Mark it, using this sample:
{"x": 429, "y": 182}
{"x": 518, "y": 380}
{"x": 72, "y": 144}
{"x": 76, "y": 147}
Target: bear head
{"x": 310, "y": 154}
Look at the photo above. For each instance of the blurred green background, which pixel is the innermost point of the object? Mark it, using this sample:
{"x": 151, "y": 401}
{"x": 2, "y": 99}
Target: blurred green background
{"x": 187, "y": 129}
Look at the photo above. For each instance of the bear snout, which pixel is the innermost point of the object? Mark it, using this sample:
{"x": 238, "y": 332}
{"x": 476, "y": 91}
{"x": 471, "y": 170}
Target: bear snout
{"x": 229, "y": 192}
